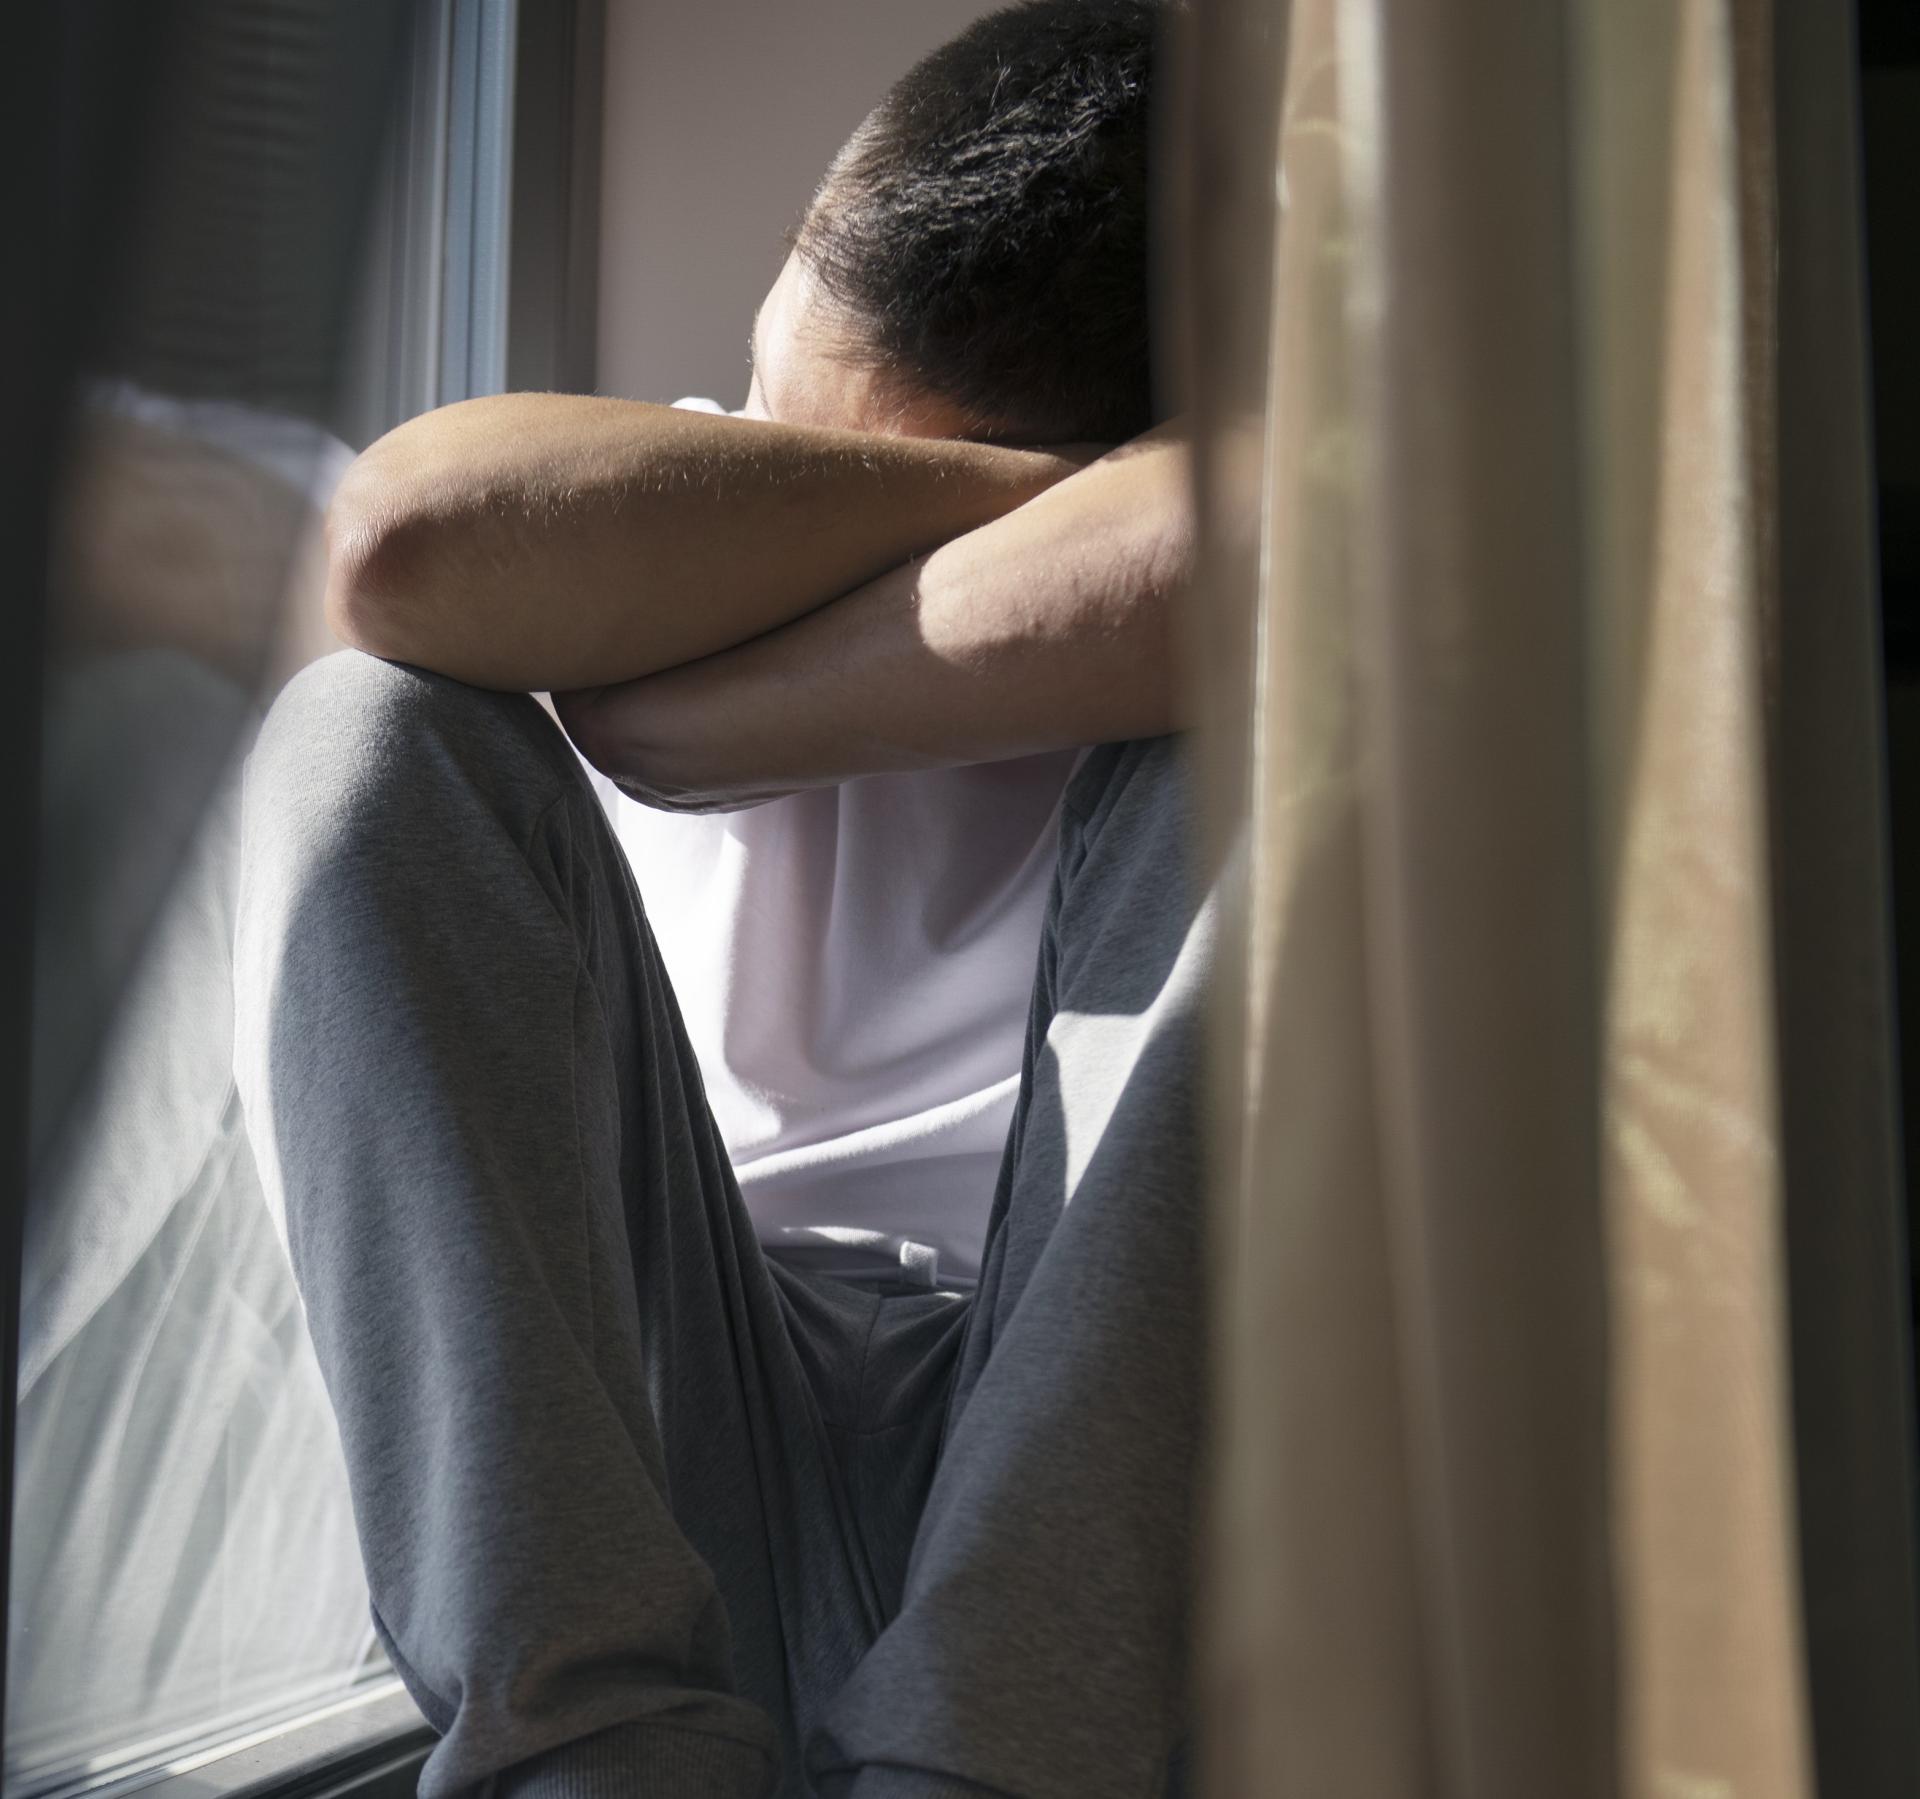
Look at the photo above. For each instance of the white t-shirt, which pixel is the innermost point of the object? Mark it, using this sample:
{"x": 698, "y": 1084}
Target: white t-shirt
{"x": 854, "y": 967}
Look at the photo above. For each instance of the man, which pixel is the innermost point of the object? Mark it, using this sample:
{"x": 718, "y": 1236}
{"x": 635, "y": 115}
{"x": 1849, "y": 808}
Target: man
{"x": 652, "y": 1499}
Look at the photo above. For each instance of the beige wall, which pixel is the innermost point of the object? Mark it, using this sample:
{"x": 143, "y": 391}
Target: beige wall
{"x": 720, "y": 117}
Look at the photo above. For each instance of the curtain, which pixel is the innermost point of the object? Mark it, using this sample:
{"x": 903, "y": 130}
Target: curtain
{"x": 1562, "y": 1417}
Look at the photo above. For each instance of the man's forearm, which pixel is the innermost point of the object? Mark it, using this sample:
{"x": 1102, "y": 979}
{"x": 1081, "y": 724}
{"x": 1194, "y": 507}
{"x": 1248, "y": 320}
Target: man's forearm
{"x": 555, "y": 541}
{"x": 1048, "y": 628}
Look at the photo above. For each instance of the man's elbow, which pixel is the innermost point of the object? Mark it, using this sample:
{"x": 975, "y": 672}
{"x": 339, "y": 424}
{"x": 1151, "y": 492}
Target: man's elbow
{"x": 601, "y": 724}
{"x": 373, "y": 568}
{"x": 593, "y": 727}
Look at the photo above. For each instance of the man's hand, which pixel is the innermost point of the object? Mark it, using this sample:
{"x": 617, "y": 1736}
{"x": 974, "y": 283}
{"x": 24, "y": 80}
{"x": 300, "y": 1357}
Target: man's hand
{"x": 555, "y": 541}
{"x": 1046, "y": 629}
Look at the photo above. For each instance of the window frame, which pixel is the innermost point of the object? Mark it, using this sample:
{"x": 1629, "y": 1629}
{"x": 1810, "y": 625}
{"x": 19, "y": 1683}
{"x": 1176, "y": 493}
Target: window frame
{"x": 368, "y": 1745}
{"x": 483, "y": 240}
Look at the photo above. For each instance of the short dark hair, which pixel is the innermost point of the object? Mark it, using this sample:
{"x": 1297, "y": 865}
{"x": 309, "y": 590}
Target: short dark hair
{"x": 986, "y": 229}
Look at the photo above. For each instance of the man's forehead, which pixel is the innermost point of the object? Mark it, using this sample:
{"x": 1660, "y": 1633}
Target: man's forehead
{"x": 771, "y": 337}
{"x": 804, "y": 378}
{"x": 769, "y": 317}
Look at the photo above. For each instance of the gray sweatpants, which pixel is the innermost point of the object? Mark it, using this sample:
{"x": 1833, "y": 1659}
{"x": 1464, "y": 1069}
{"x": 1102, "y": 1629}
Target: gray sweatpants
{"x": 643, "y": 1511}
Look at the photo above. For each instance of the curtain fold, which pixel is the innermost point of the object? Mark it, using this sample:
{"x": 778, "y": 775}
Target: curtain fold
{"x": 1546, "y": 1039}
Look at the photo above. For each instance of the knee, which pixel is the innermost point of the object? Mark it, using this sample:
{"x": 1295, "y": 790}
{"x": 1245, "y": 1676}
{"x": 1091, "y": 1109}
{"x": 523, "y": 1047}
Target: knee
{"x": 354, "y": 738}
{"x": 353, "y": 708}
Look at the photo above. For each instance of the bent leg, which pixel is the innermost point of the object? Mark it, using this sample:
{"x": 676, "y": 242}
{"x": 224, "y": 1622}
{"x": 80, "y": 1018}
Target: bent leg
{"x": 1041, "y": 1646}
{"x": 579, "y": 1438}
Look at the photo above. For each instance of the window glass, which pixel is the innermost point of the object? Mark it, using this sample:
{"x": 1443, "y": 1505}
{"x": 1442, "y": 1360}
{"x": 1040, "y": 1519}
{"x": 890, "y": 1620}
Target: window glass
{"x": 184, "y": 1569}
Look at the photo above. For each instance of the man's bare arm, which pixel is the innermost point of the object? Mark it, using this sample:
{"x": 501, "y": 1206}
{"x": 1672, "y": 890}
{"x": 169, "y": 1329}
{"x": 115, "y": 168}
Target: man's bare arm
{"x": 555, "y": 541}
{"x": 1048, "y": 628}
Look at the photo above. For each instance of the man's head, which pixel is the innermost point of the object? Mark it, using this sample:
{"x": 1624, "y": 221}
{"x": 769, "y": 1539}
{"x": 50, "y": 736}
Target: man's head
{"x": 976, "y": 261}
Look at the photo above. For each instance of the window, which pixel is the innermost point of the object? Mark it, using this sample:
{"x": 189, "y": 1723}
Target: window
{"x": 301, "y": 217}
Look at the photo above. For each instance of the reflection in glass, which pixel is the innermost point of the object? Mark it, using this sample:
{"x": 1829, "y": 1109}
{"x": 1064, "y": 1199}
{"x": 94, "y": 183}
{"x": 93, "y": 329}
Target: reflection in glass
{"x": 183, "y": 1546}
{"x": 184, "y": 1567}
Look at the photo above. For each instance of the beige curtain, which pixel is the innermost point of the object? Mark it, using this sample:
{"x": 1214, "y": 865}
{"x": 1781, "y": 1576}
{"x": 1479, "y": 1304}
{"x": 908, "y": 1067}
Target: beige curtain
{"x": 1552, "y": 1070}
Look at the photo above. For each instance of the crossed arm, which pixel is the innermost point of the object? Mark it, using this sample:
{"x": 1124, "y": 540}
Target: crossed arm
{"x": 728, "y": 609}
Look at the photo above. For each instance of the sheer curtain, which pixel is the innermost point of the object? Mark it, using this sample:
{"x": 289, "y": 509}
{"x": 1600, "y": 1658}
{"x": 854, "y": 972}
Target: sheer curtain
{"x": 1562, "y": 1412}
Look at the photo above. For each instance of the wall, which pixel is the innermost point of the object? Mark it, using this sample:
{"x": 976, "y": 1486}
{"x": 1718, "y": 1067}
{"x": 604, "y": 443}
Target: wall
{"x": 720, "y": 118}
